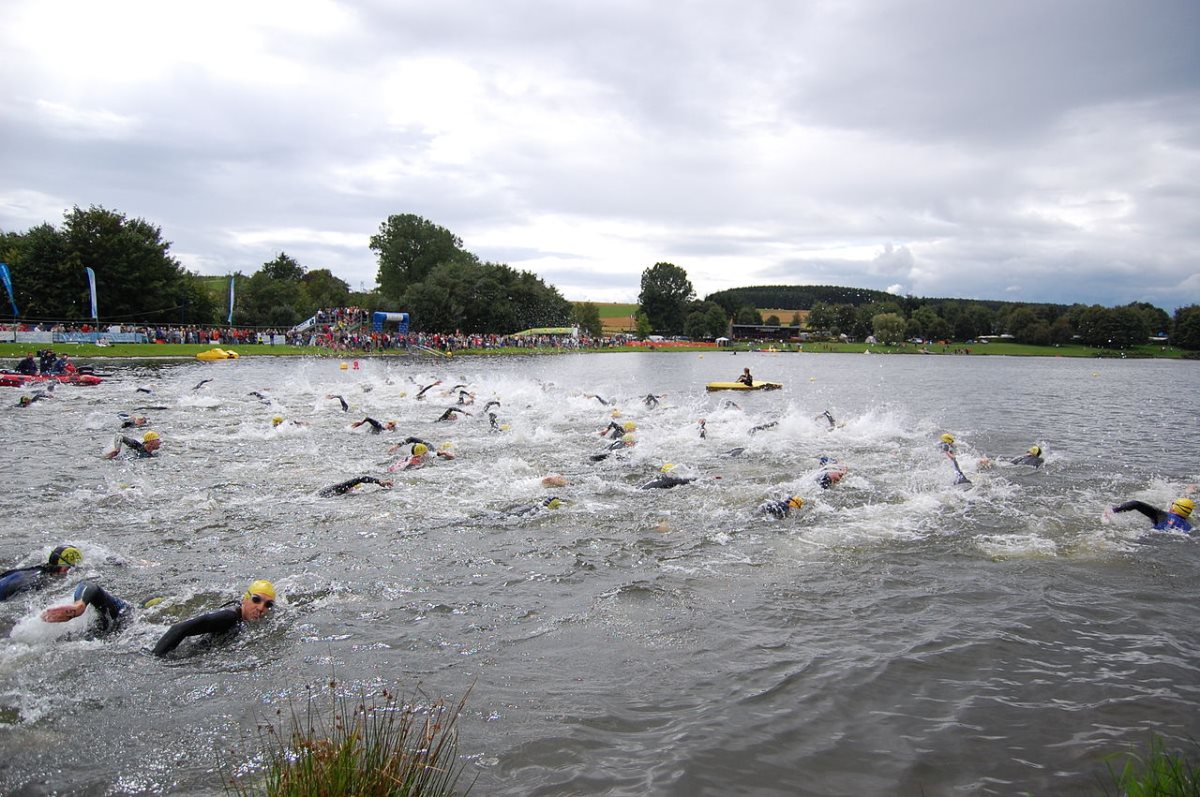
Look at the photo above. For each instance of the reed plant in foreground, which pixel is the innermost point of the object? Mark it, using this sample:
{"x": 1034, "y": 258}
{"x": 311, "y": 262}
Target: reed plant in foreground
{"x": 1157, "y": 773}
{"x": 370, "y": 745}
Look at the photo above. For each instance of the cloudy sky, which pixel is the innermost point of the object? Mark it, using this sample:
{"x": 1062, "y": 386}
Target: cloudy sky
{"x": 1033, "y": 150}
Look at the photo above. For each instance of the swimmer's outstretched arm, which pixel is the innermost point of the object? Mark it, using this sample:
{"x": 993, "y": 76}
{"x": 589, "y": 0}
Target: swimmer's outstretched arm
{"x": 212, "y": 623}
{"x": 1155, "y": 514}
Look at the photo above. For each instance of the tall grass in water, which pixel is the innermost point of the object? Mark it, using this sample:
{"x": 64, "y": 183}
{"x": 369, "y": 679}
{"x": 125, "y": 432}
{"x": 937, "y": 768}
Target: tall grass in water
{"x": 1158, "y": 773}
{"x": 375, "y": 745}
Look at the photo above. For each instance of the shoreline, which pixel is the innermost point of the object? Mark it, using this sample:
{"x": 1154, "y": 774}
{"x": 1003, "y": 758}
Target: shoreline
{"x": 186, "y": 351}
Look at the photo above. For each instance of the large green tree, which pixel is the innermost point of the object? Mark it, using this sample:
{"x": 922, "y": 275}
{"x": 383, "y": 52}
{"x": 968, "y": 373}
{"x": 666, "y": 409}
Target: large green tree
{"x": 888, "y": 327}
{"x": 586, "y": 316}
{"x": 408, "y": 249}
{"x": 1186, "y": 333}
{"x": 666, "y": 292}
{"x": 468, "y": 296}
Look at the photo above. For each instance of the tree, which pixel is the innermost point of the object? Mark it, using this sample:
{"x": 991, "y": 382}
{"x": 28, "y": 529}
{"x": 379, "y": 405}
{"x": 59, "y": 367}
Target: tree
{"x": 586, "y": 316}
{"x": 748, "y": 315}
{"x": 283, "y": 267}
{"x": 888, "y": 327}
{"x": 408, "y": 248}
{"x": 665, "y": 294}
{"x": 641, "y": 324}
{"x": 772, "y": 321}
{"x": 1187, "y": 327}
{"x": 322, "y": 290}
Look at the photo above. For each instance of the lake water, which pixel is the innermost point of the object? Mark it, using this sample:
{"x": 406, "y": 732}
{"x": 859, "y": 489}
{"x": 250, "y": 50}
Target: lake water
{"x": 901, "y": 635}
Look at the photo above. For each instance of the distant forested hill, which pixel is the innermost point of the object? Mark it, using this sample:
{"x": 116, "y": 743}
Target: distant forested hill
{"x": 795, "y": 297}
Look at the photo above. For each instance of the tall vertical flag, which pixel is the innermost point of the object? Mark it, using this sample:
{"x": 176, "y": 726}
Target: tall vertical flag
{"x": 231, "y": 281}
{"x": 6, "y": 278}
{"x": 92, "y": 287}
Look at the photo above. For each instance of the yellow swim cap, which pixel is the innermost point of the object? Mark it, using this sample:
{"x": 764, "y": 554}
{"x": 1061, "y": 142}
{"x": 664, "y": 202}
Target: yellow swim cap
{"x": 795, "y": 502}
{"x": 278, "y": 419}
{"x": 261, "y": 587}
{"x": 1183, "y": 507}
{"x": 616, "y": 413}
{"x": 66, "y": 556}
{"x": 1035, "y": 451}
{"x": 148, "y": 436}
{"x": 630, "y": 426}
{"x": 947, "y": 438}
{"x": 420, "y": 450}
{"x": 553, "y": 503}
{"x": 628, "y": 439}
{"x": 667, "y": 467}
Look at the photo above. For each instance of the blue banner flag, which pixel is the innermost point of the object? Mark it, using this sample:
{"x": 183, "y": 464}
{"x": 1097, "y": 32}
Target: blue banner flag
{"x": 231, "y": 281}
{"x": 92, "y": 287}
{"x": 6, "y": 278}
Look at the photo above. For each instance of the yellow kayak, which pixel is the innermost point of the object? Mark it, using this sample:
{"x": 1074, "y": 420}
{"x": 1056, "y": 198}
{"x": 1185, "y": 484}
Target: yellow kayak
{"x": 217, "y": 354}
{"x": 758, "y": 385}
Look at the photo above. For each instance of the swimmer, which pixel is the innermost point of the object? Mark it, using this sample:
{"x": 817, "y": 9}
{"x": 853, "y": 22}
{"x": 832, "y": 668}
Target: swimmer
{"x": 651, "y": 400}
{"x": 149, "y": 443}
{"x": 554, "y": 480}
{"x": 490, "y": 404}
{"x": 451, "y": 414}
{"x": 422, "y": 391}
{"x": 1032, "y": 457}
{"x": 259, "y": 396}
{"x": 258, "y": 599}
{"x": 828, "y": 417}
{"x": 376, "y": 426}
{"x": 763, "y": 426}
{"x": 25, "y": 401}
{"x": 615, "y": 430}
{"x": 345, "y": 406}
{"x": 604, "y": 401}
{"x": 128, "y": 421}
{"x": 466, "y": 398}
{"x": 552, "y": 502}
{"x": 832, "y": 473}
{"x": 144, "y": 390}
{"x": 111, "y": 611}
{"x": 201, "y": 384}
{"x": 665, "y": 480}
{"x": 1174, "y": 520}
{"x": 278, "y": 420}
{"x": 407, "y": 442}
{"x": 21, "y": 579}
{"x": 946, "y": 445}
{"x": 703, "y": 431}
{"x": 344, "y": 487}
{"x": 781, "y": 508}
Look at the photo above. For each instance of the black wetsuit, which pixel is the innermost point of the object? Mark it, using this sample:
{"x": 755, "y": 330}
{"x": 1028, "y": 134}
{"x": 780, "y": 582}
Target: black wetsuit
{"x": 345, "y": 406}
{"x": 614, "y": 430}
{"x": 347, "y": 486}
{"x": 22, "y": 579}
{"x": 201, "y": 384}
{"x": 665, "y": 482}
{"x": 1028, "y": 459}
{"x": 448, "y": 415}
{"x": 138, "y": 447}
{"x": 218, "y": 622}
{"x": 651, "y": 400}
{"x": 376, "y": 426}
{"x": 776, "y": 509}
{"x": 28, "y": 366}
{"x": 488, "y": 406}
{"x": 421, "y": 392}
{"x": 110, "y": 610}
{"x": 760, "y": 427}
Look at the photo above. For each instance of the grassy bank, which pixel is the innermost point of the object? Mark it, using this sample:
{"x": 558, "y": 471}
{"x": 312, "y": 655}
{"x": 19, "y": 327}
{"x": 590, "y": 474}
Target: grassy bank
{"x": 11, "y": 352}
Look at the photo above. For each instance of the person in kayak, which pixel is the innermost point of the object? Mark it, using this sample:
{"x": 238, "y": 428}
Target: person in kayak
{"x": 746, "y": 379}
{"x": 258, "y": 599}
{"x": 22, "y": 579}
{"x": 111, "y": 611}
{"x": 342, "y": 488}
{"x": 1174, "y": 520}
{"x": 780, "y": 508}
{"x": 146, "y": 447}
{"x": 28, "y": 366}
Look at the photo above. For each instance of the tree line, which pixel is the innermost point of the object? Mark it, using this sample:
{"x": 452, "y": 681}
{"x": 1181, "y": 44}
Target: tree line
{"x": 424, "y": 270}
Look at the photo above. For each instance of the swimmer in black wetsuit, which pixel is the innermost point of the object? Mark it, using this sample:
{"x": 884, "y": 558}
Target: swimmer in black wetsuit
{"x": 603, "y": 401}
{"x": 665, "y": 480}
{"x": 111, "y": 611}
{"x": 149, "y": 443}
{"x": 344, "y": 487}
{"x": 376, "y": 426}
{"x": 703, "y": 431}
{"x": 763, "y": 426}
{"x": 781, "y": 508}
{"x": 201, "y": 384}
{"x": 129, "y": 421}
{"x": 25, "y": 401}
{"x": 466, "y": 398}
{"x": 21, "y": 579}
{"x": 491, "y": 402}
{"x": 528, "y": 509}
{"x": 345, "y": 406}
{"x": 828, "y": 417}
{"x": 651, "y": 400}
{"x": 258, "y": 599}
{"x": 422, "y": 391}
{"x": 451, "y": 414}
{"x": 1032, "y": 458}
